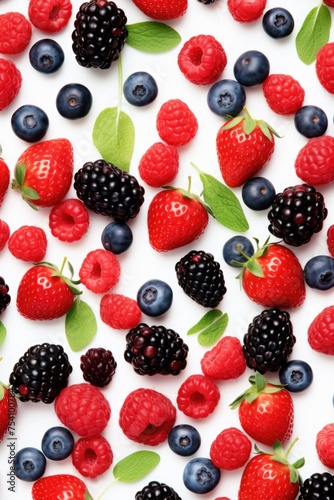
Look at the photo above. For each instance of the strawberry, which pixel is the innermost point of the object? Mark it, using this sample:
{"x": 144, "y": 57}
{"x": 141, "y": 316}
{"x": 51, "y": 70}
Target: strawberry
{"x": 162, "y": 9}
{"x": 8, "y": 408}
{"x": 244, "y": 146}
{"x": 43, "y": 172}
{"x": 60, "y": 486}
{"x": 4, "y": 178}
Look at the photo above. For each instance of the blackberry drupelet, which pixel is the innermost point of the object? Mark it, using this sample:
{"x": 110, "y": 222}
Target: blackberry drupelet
{"x": 157, "y": 491}
{"x": 201, "y": 278}
{"x": 296, "y": 214}
{"x": 155, "y": 349}
{"x": 269, "y": 340}
{"x": 99, "y": 34}
{"x": 317, "y": 486}
{"x": 107, "y": 190}
{"x": 98, "y": 366}
{"x": 4, "y": 296}
{"x": 41, "y": 373}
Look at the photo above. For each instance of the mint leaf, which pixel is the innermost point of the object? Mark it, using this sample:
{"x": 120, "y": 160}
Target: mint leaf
{"x": 151, "y": 36}
{"x": 80, "y": 325}
{"x": 205, "y": 321}
{"x": 3, "y": 332}
{"x": 135, "y": 466}
{"x": 214, "y": 332}
{"x": 314, "y": 33}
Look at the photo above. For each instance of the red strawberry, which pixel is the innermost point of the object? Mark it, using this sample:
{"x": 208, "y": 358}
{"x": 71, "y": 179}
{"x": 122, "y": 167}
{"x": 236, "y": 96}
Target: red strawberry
{"x": 44, "y": 172}
{"x": 8, "y": 408}
{"x": 4, "y": 233}
{"x": 225, "y": 360}
{"x": 244, "y": 146}
{"x": 162, "y": 9}
{"x": 4, "y": 178}
{"x": 60, "y": 486}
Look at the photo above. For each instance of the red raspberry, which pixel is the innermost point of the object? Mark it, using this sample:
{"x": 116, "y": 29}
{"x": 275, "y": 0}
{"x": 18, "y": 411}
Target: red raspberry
{"x": 320, "y": 333}
{"x": 324, "y": 66}
{"x": 314, "y": 163}
{"x": 176, "y": 123}
{"x": 100, "y": 271}
{"x": 324, "y": 444}
{"x": 198, "y": 396}
{"x": 92, "y": 456}
{"x": 159, "y": 165}
{"x": 4, "y": 233}
{"x": 15, "y": 33}
{"x": 83, "y": 408}
{"x": 147, "y": 416}
{"x": 231, "y": 449}
{"x": 225, "y": 360}
{"x": 28, "y": 243}
{"x": 10, "y": 82}
{"x": 69, "y": 220}
{"x": 119, "y": 312}
{"x": 50, "y": 16}
{"x": 246, "y": 11}
{"x": 284, "y": 95}
{"x": 202, "y": 59}
{"x": 330, "y": 239}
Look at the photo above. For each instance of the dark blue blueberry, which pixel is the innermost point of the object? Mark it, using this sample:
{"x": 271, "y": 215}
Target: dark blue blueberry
{"x": 154, "y": 297}
{"x": 184, "y": 440}
{"x": 30, "y": 123}
{"x": 311, "y": 121}
{"x": 46, "y": 56}
{"x": 74, "y": 101}
{"x": 140, "y": 88}
{"x": 226, "y": 98}
{"x": 117, "y": 237}
{"x": 319, "y": 272}
{"x": 57, "y": 443}
{"x": 296, "y": 375}
{"x": 251, "y": 68}
{"x": 200, "y": 475}
{"x": 232, "y": 247}
{"x": 258, "y": 193}
{"x": 278, "y": 22}
{"x": 29, "y": 464}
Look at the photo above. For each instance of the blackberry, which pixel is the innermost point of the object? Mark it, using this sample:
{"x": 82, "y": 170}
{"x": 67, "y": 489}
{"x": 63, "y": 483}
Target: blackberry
{"x": 41, "y": 373}
{"x": 207, "y": 2}
{"x": 99, "y": 34}
{"x": 155, "y": 349}
{"x": 107, "y": 190}
{"x": 98, "y": 366}
{"x": 317, "y": 486}
{"x": 269, "y": 340}
{"x": 296, "y": 214}
{"x": 201, "y": 278}
{"x": 157, "y": 491}
{"x": 4, "y": 296}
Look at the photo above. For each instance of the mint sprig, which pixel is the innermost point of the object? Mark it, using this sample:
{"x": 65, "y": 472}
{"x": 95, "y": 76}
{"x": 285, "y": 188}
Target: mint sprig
{"x": 210, "y": 327}
{"x": 314, "y": 33}
{"x": 152, "y": 36}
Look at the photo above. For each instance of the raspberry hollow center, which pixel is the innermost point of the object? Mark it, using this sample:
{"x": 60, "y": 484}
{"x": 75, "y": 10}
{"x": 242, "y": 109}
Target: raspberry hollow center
{"x": 90, "y": 456}
{"x": 197, "y": 398}
{"x": 54, "y": 12}
{"x": 196, "y": 56}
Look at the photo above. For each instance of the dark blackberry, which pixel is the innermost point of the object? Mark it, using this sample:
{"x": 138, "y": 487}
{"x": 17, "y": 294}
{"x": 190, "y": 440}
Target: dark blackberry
{"x": 157, "y": 491}
{"x": 107, "y": 190}
{"x": 99, "y": 34}
{"x": 319, "y": 486}
{"x": 41, "y": 373}
{"x": 269, "y": 340}
{"x": 207, "y": 2}
{"x": 201, "y": 278}
{"x": 4, "y": 296}
{"x": 98, "y": 366}
{"x": 155, "y": 349}
{"x": 296, "y": 214}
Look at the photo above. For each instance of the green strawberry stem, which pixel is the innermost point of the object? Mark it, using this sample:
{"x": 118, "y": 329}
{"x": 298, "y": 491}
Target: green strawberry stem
{"x": 279, "y": 455}
{"x": 251, "y": 260}
{"x": 59, "y": 273}
{"x": 258, "y": 386}
{"x": 249, "y": 124}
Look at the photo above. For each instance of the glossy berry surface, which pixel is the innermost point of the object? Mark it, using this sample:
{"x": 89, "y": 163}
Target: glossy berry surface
{"x": 74, "y": 101}
{"x": 29, "y": 463}
{"x": 319, "y": 272}
{"x": 258, "y": 193}
{"x": 30, "y": 123}
{"x": 117, "y": 237}
{"x": 232, "y": 247}
{"x": 296, "y": 375}
{"x": 200, "y": 475}
{"x": 155, "y": 297}
{"x": 251, "y": 68}
{"x": 57, "y": 443}
{"x": 278, "y": 22}
{"x": 311, "y": 121}
{"x": 184, "y": 440}
{"x": 46, "y": 56}
{"x": 226, "y": 98}
{"x": 140, "y": 88}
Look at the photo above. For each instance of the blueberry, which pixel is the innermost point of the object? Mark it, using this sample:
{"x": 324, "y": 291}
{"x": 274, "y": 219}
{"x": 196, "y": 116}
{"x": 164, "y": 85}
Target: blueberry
{"x": 231, "y": 250}
{"x": 296, "y": 375}
{"x": 251, "y": 68}
{"x": 319, "y": 272}
{"x": 258, "y": 193}
{"x": 140, "y": 88}
{"x": 46, "y": 56}
{"x": 154, "y": 297}
{"x": 30, "y": 123}
{"x": 184, "y": 440}
{"x": 57, "y": 443}
{"x": 200, "y": 475}
{"x": 226, "y": 98}
{"x": 278, "y": 22}
{"x": 311, "y": 121}
{"x": 74, "y": 101}
{"x": 29, "y": 464}
{"x": 117, "y": 237}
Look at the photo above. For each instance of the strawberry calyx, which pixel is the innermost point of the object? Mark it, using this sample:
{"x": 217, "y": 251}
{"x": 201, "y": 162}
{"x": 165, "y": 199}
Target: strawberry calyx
{"x": 251, "y": 263}
{"x": 186, "y": 193}
{"x": 70, "y": 282}
{"x": 259, "y": 385}
{"x": 249, "y": 124}
{"x": 27, "y": 192}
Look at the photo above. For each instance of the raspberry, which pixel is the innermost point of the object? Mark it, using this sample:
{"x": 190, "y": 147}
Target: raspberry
{"x": 92, "y": 456}
{"x": 159, "y": 164}
{"x": 225, "y": 360}
{"x": 202, "y": 59}
{"x": 119, "y": 312}
{"x": 4, "y": 233}
{"x": 176, "y": 123}
{"x": 50, "y": 16}
{"x": 100, "y": 271}
{"x": 83, "y": 408}
{"x": 324, "y": 444}
{"x": 147, "y": 416}
{"x": 15, "y": 33}
{"x": 231, "y": 449}
{"x": 324, "y": 66}
{"x": 69, "y": 220}
{"x": 10, "y": 82}
{"x": 246, "y": 11}
{"x": 28, "y": 243}
{"x": 284, "y": 95}
{"x": 314, "y": 163}
{"x": 330, "y": 239}
{"x": 197, "y": 396}
{"x": 320, "y": 333}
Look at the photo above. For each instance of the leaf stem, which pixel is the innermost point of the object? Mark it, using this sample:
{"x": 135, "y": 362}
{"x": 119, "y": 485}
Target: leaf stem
{"x": 120, "y": 91}
{"x": 106, "y": 489}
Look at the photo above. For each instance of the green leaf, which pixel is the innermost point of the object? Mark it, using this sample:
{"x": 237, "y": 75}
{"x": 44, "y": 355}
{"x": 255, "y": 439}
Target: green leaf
{"x": 214, "y": 332}
{"x": 135, "y": 466}
{"x": 205, "y": 321}
{"x": 114, "y": 137}
{"x": 80, "y": 325}
{"x": 3, "y": 332}
{"x": 151, "y": 36}
{"x": 314, "y": 33}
